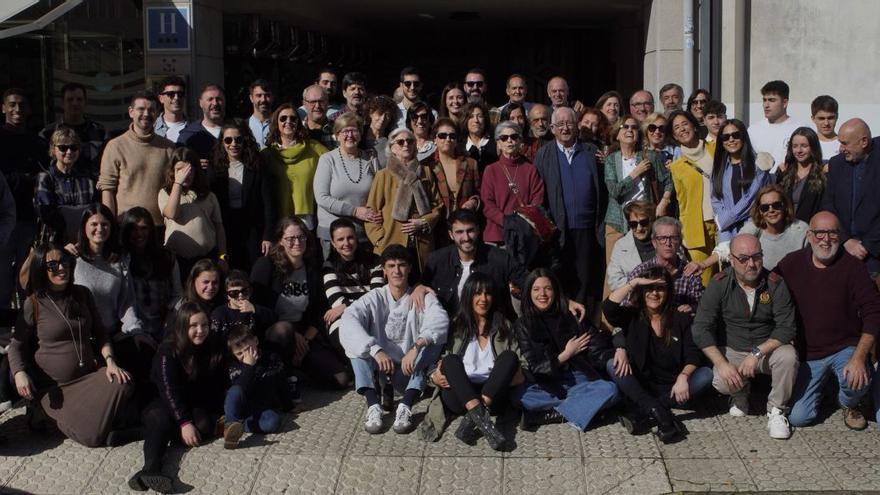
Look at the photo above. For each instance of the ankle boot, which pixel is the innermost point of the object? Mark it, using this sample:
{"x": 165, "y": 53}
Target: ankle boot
{"x": 634, "y": 422}
{"x": 467, "y": 431}
{"x": 667, "y": 430}
{"x": 483, "y": 421}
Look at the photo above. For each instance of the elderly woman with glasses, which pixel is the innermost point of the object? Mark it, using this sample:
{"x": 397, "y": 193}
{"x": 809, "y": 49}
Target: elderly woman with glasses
{"x": 631, "y": 174}
{"x": 508, "y": 183}
{"x": 405, "y": 192}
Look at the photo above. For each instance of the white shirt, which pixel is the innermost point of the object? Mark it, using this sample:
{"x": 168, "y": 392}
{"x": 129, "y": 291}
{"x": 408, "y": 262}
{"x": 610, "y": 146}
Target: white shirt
{"x": 236, "y": 181}
{"x": 773, "y": 138}
{"x": 215, "y": 131}
{"x": 478, "y": 363}
{"x": 174, "y": 129}
{"x": 638, "y": 193}
{"x": 259, "y": 129}
{"x": 750, "y": 295}
{"x": 465, "y": 273}
{"x": 829, "y": 149}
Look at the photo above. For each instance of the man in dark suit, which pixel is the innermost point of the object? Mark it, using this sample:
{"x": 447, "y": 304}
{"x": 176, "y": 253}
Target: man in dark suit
{"x": 574, "y": 189}
{"x": 201, "y": 135}
{"x": 851, "y": 193}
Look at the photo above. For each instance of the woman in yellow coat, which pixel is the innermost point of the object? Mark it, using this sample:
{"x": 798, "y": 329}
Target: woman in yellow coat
{"x": 406, "y": 194}
{"x": 691, "y": 176}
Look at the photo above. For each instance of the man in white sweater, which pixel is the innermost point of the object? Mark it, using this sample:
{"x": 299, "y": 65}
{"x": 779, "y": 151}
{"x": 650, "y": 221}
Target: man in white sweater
{"x": 383, "y": 332}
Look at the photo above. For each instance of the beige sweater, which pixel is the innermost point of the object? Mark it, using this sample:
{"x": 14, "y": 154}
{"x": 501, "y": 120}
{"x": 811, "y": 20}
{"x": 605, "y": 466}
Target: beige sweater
{"x": 134, "y": 167}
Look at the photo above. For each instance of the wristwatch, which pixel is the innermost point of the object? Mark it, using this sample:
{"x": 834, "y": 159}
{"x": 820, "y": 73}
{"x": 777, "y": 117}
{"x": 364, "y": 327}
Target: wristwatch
{"x": 756, "y": 352}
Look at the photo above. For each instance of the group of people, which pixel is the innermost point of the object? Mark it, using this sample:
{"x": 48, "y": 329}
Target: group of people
{"x": 179, "y": 281}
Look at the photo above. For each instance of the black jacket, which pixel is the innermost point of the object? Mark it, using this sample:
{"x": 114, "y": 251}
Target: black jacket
{"x": 258, "y": 203}
{"x": 268, "y": 282}
{"x": 810, "y": 203}
{"x": 264, "y": 384}
{"x": 195, "y": 137}
{"x": 443, "y": 271}
{"x": 542, "y": 339}
{"x": 179, "y": 392}
{"x": 636, "y": 334}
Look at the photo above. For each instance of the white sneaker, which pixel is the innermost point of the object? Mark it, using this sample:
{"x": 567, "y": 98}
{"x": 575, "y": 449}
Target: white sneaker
{"x": 403, "y": 419}
{"x": 5, "y": 406}
{"x": 777, "y": 423}
{"x": 373, "y": 424}
{"x": 736, "y": 412}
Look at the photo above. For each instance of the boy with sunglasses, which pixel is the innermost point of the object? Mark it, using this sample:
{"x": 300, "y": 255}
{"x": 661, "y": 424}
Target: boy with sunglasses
{"x": 239, "y": 310}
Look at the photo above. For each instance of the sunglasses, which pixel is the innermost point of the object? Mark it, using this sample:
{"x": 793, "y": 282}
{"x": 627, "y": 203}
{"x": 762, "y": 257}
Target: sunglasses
{"x": 235, "y": 293}
{"x": 233, "y": 139}
{"x": 64, "y": 148}
{"x": 505, "y": 137}
{"x": 733, "y": 135}
{"x": 55, "y": 266}
{"x": 401, "y": 142}
{"x": 633, "y": 224}
{"x": 745, "y": 258}
{"x": 631, "y": 127}
{"x": 447, "y": 135}
{"x": 285, "y": 118}
{"x": 172, "y": 94}
{"x": 410, "y": 84}
{"x": 655, "y": 288}
{"x": 655, "y": 128}
{"x": 420, "y": 116}
{"x": 478, "y": 84}
{"x": 776, "y": 205}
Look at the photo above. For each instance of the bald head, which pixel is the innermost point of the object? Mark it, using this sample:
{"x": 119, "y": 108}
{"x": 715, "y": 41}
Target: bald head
{"x": 747, "y": 259}
{"x": 744, "y": 244}
{"x": 855, "y": 140}
{"x": 824, "y": 220}
{"x": 539, "y": 120}
{"x": 557, "y": 91}
{"x": 824, "y": 238}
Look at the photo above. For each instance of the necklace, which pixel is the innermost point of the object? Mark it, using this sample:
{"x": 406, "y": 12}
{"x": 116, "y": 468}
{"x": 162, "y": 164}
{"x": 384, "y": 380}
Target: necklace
{"x": 79, "y": 353}
{"x": 345, "y": 168}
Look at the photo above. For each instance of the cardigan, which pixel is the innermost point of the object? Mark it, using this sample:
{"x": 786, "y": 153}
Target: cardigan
{"x": 619, "y": 185}
{"x": 499, "y": 201}
{"x": 689, "y": 192}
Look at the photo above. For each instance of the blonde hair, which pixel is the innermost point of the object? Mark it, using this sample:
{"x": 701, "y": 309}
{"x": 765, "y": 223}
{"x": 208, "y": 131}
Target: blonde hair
{"x": 63, "y": 135}
{"x": 348, "y": 119}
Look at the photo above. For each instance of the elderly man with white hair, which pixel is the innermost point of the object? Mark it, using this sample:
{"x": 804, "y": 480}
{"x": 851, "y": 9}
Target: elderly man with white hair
{"x": 573, "y": 187}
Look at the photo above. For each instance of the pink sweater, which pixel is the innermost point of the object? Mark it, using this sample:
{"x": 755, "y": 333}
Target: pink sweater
{"x": 498, "y": 200}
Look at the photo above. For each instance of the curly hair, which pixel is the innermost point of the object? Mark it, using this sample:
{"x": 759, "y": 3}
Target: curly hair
{"x": 382, "y": 104}
{"x": 300, "y": 131}
{"x": 250, "y": 151}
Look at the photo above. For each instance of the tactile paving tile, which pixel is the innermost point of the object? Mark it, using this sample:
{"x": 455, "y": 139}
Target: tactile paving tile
{"x": 623, "y": 476}
{"x": 324, "y": 431}
{"x": 700, "y": 445}
{"x": 614, "y": 441}
{"x": 398, "y": 475}
{"x": 118, "y": 466}
{"x": 8, "y": 466}
{"x": 214, "y": 471}
{"x": 704, "y": 475}
{"x": 300, "y": 474}
{"x": 855, "y": 474}
{"x": 533, "y": 475}
{"x": 752, "y": 440}
{"x": 559, "y": 440}
{"x": 851, "y": 444}
{"x": 66, "y": 468}
{"x": 698, "y": 421}
{"x": 461, "y": 475}
{"x": 790, "y": 474}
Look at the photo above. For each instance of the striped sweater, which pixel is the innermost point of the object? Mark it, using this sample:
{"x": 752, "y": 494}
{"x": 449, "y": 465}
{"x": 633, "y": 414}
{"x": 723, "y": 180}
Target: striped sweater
{"x": 349, "y": 284}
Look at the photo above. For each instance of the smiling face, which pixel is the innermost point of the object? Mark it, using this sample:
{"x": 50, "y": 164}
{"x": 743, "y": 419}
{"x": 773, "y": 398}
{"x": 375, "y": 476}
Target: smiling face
{"x": 800, "y": 149}
{"x": 97, "y": 230}
{"x": 213, "y": 104}
{"x": 421, "y": 122}
{"x": 288, "y": 122}
{"x": 628, "y": 133}
{"x": 683, "y": 131}
{"x": 516, "y": 89}
{"x": 172, "y": 98}
{"x": 465, "y": 237}
{"x": 482, "y": 304}
{"x": 824, "y": 236}
{"x": 732, "y": 139}
{"x": 611, "y": 109}
{"x": 771, "y": 207}
{"x": 142, "y": 113}
{"x": 261, "y": 99}
{"x": 564, "y": 127}
{"x": 671, "y": 99}
{"x": 445, "y": 139}
{"x": 349, "y": 137}
{"x": 199, "y": 329}
{"x": 657, "y": 134}
{"x": 295, "y": 241}
{"x": 57, "y": 269}
{"x": 411, "y": 86}
{"x": 454, "y": 101}
{"x": 655, "y": 296}
{"x": 66, "y": 153}
{"x": 344, "y": 241}
{"x": 542, "y": 294}
{"x": 698, "y": 104}
{"x": 315, "y": 102}
{"x": 206, "y": 285}
{"x": 232, "y": 143}
{"x": 397, "y": 273}
{"x": 640, "y": 226}
{"x": 17, "y": 110}
{"x": 474, "y": 84}
{"x": 557, "y": 90}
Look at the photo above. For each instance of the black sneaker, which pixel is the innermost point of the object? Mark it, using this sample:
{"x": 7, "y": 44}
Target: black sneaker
{"x": 667, "y": 428}
{"x": 151, "y": 480}
{"x": 467, "y": 431}
{"x": 532, "y": 419}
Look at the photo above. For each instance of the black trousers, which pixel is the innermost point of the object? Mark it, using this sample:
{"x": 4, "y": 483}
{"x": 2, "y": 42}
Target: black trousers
{"x": 580, "y": 267}
{"x": 160, "y": 428}
{"x": 322, "y": 362}
{"x": 461, "y": 390}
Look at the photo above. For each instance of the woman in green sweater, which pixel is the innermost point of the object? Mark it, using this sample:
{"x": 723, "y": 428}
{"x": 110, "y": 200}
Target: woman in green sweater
{"x": 292, "y": 159}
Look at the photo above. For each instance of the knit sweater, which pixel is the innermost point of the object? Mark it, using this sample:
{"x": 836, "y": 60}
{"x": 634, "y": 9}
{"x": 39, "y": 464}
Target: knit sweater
{"x": 499, "y": 201}
{"x": 340, "y": 186}
{"x": 113, "y": 292}
{"x": 294, "y": 169}
{"x": 133, "y": 167}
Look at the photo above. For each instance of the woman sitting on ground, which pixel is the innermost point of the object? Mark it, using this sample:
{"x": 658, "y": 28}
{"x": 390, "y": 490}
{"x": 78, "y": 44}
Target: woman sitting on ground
{"x": 661, "y": 368}
{"x": 478, "y": 370}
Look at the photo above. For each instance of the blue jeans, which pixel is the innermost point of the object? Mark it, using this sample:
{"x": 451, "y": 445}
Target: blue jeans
{"x": 365, "y": 370}
{"x": 573, "y": 395}
{"x": 255, "y": 419}
{"x": 810, "y": 380}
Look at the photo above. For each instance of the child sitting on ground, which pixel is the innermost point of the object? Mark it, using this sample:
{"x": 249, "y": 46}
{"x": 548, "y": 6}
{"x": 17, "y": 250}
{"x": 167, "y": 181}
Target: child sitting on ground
{"x": 259, "y": 389}
{"x": 239, "y": 309}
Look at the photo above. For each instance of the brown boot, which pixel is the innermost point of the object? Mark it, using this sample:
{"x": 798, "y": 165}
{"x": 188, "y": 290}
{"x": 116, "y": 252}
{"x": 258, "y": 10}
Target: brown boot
{"x": 854, "y": 419}
{"x": 232, "y": 434}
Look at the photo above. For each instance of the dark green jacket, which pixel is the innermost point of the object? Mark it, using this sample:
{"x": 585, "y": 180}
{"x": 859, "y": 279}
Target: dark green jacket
{"x": 724, "y": 317}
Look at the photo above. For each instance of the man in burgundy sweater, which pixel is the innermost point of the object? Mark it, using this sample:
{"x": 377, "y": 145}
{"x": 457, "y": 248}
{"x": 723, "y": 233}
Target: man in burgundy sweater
{"x": 838, "y": 317}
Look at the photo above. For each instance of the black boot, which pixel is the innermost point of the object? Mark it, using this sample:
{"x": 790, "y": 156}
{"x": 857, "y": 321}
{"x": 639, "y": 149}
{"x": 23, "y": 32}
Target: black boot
{"x": 532, "y": 419}
{"x": 667, "y": 429}
{"x": 634, "y": 422}
{"x": 467, "y": 431}
{"x": 150, "y": 480}
{"x": 480, "y": 417}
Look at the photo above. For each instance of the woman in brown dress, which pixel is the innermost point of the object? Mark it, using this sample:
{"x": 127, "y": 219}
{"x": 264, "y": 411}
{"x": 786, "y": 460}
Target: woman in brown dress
{"x": 58, "y": 351}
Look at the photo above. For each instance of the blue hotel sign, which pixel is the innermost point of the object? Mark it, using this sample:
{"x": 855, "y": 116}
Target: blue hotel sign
{"x": 168, "y": 28}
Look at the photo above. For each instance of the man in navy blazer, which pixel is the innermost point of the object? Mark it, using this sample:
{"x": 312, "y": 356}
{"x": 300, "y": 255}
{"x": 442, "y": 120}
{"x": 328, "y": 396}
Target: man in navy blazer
{"x": 851, "y": 192}
{"x": 574, "y": 190}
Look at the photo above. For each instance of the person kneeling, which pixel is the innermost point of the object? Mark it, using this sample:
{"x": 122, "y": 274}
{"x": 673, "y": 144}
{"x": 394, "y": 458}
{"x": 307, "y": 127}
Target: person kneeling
{"x": 258, "y": 388}
{"x": 382, "y": 331}
{"x": 478, "y": 369}
{"x": 657, "y": 364}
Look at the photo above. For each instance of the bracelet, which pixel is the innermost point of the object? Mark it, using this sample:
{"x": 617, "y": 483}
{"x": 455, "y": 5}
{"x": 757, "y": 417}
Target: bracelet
{"x": 179, "y": 184}
{"x": 686, "y": 375}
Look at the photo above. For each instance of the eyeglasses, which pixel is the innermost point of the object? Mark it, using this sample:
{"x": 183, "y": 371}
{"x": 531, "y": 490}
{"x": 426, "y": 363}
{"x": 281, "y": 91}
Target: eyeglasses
{"x": 776, "y": 205}
{"x": 407, "y": 141}
{"x": 633, "y": 224}
{"x": 235, "y": 293}
{"x": 173, "y": 94}
{"x": 745, "y": 258}
{"x": 505, "y": 137}
{"x": 631, "y": 127}
{"x": 654, "y": 128}
{"x": 420, "y": 116}
{"x": 410, "y": 84}
{"x": 478, "y": 84}
{"x": 447, "y": 135}
{"x": 233, "y": 139}
{"x": 667, "y": 239}
{"x": 642, "y": 103}
{"x": 564, "y": 125}
{"x": 826, "y": 234}
{"x": 64, "y": 148}
{"x": 293, "y": 239}
{"x": 350, "y": 132}
{"x": 700, "y": 102}
{"x": 285, "y": 118}
{"x": 55, "y": 266}
{"x": 733, "y": 135}
{"x": 315, "y": 102}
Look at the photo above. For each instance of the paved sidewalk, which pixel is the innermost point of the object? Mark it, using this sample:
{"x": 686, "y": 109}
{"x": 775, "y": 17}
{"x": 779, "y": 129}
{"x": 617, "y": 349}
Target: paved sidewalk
{"x": 325, "y": 450}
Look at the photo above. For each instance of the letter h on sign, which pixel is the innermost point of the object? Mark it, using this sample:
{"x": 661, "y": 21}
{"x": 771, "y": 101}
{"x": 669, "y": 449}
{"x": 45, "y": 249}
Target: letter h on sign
{"x": 168, "y": 28}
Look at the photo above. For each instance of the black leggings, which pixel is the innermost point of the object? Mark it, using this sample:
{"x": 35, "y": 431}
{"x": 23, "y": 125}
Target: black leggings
{"x": 461, "y": 390}
{"x": 160, "y": 428}
{"x": 321, "y": 362}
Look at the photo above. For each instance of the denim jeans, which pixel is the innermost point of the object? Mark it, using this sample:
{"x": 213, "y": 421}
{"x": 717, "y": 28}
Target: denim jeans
{"x": 811, "y": 379}
{"x": 573, "y": 395}
{"x": 647, "y": 395}
{"x": 365, "y": 370}
{"x": 255, "y": 419}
